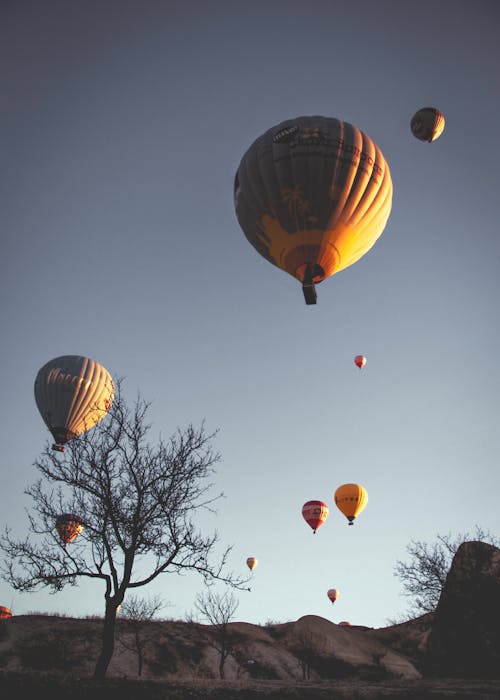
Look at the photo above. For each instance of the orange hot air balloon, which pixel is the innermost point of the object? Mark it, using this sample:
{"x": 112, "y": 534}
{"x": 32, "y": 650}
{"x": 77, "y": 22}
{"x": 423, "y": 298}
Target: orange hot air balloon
{"x": 351, "y": 499}
{"x": 315, "y": 513}
{"x": 252, "y": 563}
{"x": 360, "y": 361}
{"x": 68, "y": 526}
{"x": 333, "y": 594}
{"x": 344, "y": 623}
{"x": 5, "y": 612}
{"x": 72, "y": 393}
{"x": 313, "y": 195}
{"x": 427, "y": 124}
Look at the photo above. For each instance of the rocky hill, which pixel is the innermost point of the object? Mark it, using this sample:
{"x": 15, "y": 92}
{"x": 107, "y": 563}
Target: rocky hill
{"x": 460, "y": 642}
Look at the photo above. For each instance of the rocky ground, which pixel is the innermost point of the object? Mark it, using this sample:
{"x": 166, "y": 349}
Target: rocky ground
{"x": 22, "y": 685}
{"x": 451, "y": 653}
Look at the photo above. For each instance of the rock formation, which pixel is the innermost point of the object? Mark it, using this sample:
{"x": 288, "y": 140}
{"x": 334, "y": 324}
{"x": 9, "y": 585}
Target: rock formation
{"x": 465, "y": 637}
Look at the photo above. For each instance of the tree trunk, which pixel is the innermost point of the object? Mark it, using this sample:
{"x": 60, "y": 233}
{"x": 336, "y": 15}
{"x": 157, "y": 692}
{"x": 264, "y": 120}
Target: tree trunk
{"x": 108, "y": 642}
{"x": 138, "y": 646}
{"x": 223, "y": 655}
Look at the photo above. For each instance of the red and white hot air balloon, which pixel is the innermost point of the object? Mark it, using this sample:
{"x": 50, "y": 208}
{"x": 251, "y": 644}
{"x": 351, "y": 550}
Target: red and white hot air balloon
{"x": 315, "y": 513}
{"x": 333, "y": 594}
{"x": 360, "y": 361}
{"x": 69, "y": 526}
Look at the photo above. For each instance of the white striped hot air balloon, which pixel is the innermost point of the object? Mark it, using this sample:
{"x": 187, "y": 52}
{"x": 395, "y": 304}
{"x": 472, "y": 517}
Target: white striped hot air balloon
{"x": 73, "y": 393}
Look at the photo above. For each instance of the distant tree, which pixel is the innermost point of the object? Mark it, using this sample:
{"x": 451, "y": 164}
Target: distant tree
{"x": 219, "y": 609}
{"x": 305, "y": 648}
{"x": 136, "y": 502}
{"x": 138, "y": 612}
{"x": 424, "y": 575}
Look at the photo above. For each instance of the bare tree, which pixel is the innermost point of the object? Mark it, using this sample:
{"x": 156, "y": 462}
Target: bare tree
{"x": 136, "y": 502}
{"x": 424, "y": 575}
{"x": 138, "y": 612}
{"x": 219, "y": 610}
{"x": 305, "y": 649}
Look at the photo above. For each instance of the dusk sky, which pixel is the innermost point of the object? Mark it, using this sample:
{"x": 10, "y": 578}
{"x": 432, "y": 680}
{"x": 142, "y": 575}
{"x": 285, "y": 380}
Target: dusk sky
{"x": 122, "y": 126}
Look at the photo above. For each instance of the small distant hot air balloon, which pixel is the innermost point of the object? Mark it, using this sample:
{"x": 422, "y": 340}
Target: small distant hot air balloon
{"x": 72, "y": 393}
{"x": 252, "y": 563}
{"x": 351, "y": 499}
{"x": 333, "y": 594}
{"x": 312, "y": 195}
{"x": 360, "y": 361}
{"x": 68, "y": 526}
{"x": 5, "y": 612}
{"x": 344, "y": 623}
{"x": 427, "y": 124}
{"x": 315, "y": 513}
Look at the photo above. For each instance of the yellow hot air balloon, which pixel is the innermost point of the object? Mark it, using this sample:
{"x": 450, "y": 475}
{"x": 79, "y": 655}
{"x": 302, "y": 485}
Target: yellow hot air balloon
{"x": 312, "y": 195}
{"x": 72, "y": 393}
{"x": 351, "y": 499}
{"x": 427, "y": 124}
{"x": 252, "y": 563}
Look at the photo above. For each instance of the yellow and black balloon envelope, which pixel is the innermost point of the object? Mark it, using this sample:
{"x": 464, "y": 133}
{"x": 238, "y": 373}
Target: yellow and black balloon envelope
{"x": 312, "y": 195}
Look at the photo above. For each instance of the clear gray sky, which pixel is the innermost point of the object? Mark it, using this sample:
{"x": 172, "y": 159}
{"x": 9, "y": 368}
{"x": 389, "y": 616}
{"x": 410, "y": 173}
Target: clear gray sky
{"x": 122, "y": 126}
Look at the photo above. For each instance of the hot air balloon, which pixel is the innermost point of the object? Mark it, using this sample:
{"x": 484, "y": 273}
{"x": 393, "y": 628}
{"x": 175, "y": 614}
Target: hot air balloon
{"x": 69, "y": 526}
{"x": 5, "y": 612}
{"x": 72, "y": 393}
{"x": 351, "y": 499}
{"x": 333, "y": 594}
{"x": 315, "y": 513}
{"x": 252, "y": 563}
{"x": 427, "y": 124}
{"x": 344, "y": 623}
{"x": 312, "y": 195}
{"x": 360, "y": 361}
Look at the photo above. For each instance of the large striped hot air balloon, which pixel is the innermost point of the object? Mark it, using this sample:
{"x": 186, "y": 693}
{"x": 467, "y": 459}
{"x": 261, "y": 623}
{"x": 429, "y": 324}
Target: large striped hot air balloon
{"x": 72, "y": 393}
{"x": 315, "y": 513}
{"x": 312, "y": 195}
{"x": 427, "y": 124}
{"x": 5, "y": 612}
{"x": 351, "y": 499}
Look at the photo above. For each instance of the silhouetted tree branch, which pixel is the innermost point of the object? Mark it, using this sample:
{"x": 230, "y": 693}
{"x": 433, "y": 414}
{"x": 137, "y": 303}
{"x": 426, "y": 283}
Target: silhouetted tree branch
{"x": 424, "y": 575}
